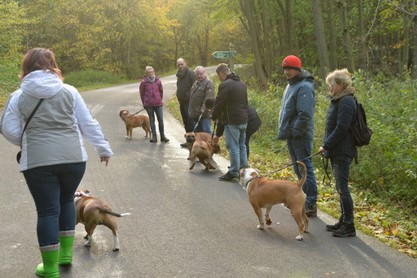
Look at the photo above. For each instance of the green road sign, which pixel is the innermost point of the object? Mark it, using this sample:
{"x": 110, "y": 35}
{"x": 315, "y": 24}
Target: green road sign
{"x": 224, "y": 54}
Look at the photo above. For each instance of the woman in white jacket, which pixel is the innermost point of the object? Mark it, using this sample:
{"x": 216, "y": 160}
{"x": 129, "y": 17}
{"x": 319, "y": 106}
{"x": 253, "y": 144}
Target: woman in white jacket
{"x": 53, "y": 159}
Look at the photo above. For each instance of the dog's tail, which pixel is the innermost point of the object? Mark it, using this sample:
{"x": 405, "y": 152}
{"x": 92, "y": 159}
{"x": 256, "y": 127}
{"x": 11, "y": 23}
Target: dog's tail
{"x": 303, "y": 179}
{"x": 113, "y": 213}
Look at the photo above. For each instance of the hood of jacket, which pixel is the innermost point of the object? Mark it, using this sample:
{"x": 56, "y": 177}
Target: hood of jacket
{"x": 233, "y": 76}
{"x": 303, "y": 75}
{"x": 41, "y": 84}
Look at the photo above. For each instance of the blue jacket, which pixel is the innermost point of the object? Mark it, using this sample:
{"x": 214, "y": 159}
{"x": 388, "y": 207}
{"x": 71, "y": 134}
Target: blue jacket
{"x": 338, "y": 140}
{"x": 296, "y": 117}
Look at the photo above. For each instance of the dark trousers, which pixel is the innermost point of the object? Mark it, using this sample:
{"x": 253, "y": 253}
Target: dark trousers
{"x": 300, "y": 149}
{"x": 185, "y": 117}
{"x": 52, "y": 188}
{"x": 340, "y": 167}
{"x": 158, "y": 111}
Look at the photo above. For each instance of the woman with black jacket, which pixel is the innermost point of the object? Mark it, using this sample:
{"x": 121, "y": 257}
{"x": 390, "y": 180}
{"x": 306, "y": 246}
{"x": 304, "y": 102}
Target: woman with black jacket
{"x": 339, "y": 145}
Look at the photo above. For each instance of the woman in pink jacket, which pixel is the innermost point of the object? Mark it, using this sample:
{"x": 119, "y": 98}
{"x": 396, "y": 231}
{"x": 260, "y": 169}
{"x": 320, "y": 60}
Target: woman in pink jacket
{"x": 151, "y": 93}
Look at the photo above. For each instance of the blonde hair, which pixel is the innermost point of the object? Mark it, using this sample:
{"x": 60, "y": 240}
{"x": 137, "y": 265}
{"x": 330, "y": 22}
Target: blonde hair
{"x": 149, "y": 68}
{"x": 341, "y": 76}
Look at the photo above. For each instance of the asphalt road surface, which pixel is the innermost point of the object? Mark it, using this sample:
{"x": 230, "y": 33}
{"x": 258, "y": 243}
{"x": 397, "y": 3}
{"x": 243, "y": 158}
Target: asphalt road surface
{"x": 183, "y": 223}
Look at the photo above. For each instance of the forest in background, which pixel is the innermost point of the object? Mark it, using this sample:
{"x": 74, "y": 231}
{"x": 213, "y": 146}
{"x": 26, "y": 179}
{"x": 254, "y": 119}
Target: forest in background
{"x": 122, "y": 37}
{"x": 375, "y": 39}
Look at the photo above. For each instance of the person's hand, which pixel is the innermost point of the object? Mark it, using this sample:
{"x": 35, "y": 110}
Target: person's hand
{"x": 105, "y": 159}
{"x": 322, "y": 151}
{"x": 216, "y": 139}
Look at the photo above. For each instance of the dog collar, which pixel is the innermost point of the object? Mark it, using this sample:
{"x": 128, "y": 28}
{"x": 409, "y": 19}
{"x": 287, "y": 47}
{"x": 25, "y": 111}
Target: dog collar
{"x": 247, "y": 183}
{"x": 80, "y": 194}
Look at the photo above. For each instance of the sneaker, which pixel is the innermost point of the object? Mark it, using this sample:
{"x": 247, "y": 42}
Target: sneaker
{"x": 164, "y": 139}
{"x": 332, "y": 228}
{"x": 311, "y": 210}
{"x": 227, "y": 177}
{"x": 184, "y": 145}
{"x": 345, "y": 230}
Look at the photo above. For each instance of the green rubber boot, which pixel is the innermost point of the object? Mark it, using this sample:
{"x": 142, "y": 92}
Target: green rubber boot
{"x": 66, "y": 241}
{"x": 49, "y": 267}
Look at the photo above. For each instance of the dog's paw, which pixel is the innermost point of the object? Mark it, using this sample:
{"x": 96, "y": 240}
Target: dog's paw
{"x": 268, "y": 221}
{"x": 260, "y": 227}
{"x": 299, "y": 238}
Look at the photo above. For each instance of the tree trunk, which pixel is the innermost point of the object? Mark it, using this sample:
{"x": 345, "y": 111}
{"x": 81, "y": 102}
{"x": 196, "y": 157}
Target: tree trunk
{"x": 291, "y": 35}
{"x": 414, "y": 66}
{"x": 248, "y": 9}
{"x": 362, "y": 43}
{"x": 346, "y": 40}
{"x": 321, "y": 40}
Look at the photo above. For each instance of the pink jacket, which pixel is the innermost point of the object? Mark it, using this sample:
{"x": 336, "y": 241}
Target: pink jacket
{"x": 151, "y": 93}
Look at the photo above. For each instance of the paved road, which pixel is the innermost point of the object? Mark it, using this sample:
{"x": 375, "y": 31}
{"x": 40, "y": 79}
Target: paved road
{"x": 183, "y": 223}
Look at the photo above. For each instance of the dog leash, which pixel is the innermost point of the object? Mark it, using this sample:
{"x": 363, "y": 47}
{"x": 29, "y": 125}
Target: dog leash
{"x": 289, "y": 165}
{"x": 214, "y": 130}
{"x": 198, "y": 122}
{"x": 139, "y": 111}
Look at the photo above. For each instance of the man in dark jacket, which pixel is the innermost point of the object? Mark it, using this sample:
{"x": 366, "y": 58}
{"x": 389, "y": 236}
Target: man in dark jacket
{"x": 185, "y": 79}
{"x": 231, "y": 108}
{"x": 296, "y": 124}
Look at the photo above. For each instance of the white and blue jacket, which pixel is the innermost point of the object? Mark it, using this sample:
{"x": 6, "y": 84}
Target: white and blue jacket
{"x": 55, "y": 133}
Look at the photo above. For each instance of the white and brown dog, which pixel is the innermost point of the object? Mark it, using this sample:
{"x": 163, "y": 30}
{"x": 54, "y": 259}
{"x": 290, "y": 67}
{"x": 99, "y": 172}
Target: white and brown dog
{"x": 92, "y": 211}
{"x": 265, "y": 193}
{"x": 132, "y": 121}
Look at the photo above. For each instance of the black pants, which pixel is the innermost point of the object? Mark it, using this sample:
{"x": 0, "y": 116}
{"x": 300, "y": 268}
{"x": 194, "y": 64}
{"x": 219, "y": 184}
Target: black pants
{"x": 184, "y": 114}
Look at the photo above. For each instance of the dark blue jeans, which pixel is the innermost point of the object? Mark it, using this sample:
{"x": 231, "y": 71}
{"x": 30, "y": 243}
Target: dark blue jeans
{"x": 235, "y": 144}
{"x": 204, "y": 124}
{"x": 152, "y": 111}
{"x": 52, "y": 188}
{"x": 299, "y": 149}
{"x": 340, "y": 168}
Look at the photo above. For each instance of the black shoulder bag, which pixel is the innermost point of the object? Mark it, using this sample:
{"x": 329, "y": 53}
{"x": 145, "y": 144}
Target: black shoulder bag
{"x": 19, "y": 154}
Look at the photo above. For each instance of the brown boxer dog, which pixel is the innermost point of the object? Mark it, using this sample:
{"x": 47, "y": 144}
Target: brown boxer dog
{"x": 265, "y": 193}
{"x": 204, "y": 152}
{"x": 132, "y": 121}
{"x": 191, "y": 137}
{"x": 92, "y": 211}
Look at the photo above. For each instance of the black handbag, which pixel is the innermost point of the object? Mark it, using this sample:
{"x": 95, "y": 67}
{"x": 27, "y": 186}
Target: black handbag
{"x": 19, "y": 154}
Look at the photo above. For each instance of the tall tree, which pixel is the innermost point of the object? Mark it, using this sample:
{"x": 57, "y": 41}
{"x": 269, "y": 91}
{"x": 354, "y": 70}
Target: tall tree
{"x": 253, "y": 28}
{"x": 346, "y": 37}
{"x": 321, "y": 40}
{"x": 362, "y": 38}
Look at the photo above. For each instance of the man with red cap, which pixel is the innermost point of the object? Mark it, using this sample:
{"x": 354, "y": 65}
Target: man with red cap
{"x": 296, "y": 124}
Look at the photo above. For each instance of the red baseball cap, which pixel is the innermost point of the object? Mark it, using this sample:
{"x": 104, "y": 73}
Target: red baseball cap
{"x": 291, "y": 62}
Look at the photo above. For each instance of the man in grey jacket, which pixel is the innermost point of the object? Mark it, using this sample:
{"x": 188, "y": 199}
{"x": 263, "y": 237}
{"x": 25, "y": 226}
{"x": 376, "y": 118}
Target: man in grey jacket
{"x": 296, "y": 124}
{"x": 202, "y": 90}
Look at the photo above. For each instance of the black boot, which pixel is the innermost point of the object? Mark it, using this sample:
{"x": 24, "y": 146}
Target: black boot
{"x": 345, "y": 230}
{"x": 164, "y": 139}
{"x": 332, "y": 228}
{"x": 153, "y": 139}
{"x": 311, "y": 210}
